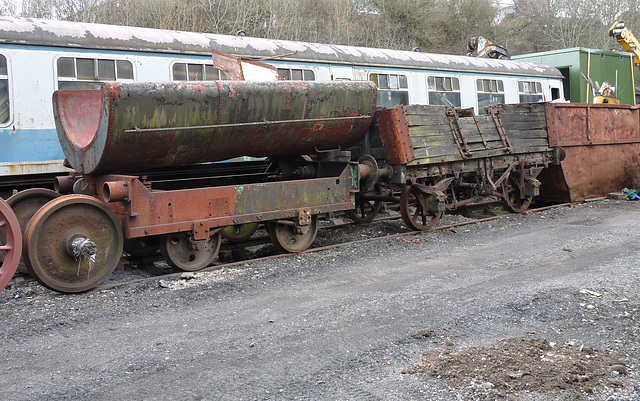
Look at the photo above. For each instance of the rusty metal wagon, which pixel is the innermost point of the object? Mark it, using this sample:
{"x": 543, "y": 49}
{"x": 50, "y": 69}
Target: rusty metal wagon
{"x": 114, "y": 135}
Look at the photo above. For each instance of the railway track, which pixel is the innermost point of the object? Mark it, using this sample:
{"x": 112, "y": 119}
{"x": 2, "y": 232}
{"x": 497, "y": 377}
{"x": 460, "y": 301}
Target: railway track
{"x": 148, "y": 263}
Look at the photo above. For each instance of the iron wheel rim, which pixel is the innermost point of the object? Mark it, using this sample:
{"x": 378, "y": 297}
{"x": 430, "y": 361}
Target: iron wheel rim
{"x": 10, "y": 244}
{"x": 178, "y": 251}
{"x": 409, "y": 196}
{"x": 284, "y": 237}
{"x": 47, "y": 237}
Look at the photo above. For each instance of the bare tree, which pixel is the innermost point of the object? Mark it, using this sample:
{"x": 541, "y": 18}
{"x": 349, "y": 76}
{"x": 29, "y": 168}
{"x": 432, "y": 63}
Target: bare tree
{"x": 430, "y": 25}
{"x": 38, "y": 9}
{"x": 8, "y": 7}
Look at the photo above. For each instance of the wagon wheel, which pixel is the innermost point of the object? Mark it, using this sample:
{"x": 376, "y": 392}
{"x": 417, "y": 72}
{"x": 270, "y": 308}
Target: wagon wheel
{"x": 181, "y": 252}
{"x": 286, "y": 237}
{"x": 239, "y": 232}
{"x": 142, "y": 247}
{"x": 10, "y": 243}
{"x": 414, "y": 211}
{"x": 72, "y": 244}
{"x": 513, "y": 195}
{"x": 365, "y": 210}
{"x": 25, "y": 204}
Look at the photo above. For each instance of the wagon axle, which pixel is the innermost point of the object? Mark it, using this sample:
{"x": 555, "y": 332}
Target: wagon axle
{"x": 80, "y": 246}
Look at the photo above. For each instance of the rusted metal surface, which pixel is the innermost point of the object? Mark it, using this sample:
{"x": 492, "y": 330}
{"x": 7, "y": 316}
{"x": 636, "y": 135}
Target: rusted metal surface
{"x": 129, "y": 127}
{"x": 146, "y": 212}
{"x": 602, "y": 145}
{"x": 394, "y": 131}
{"x": 237, "y": 69}
{"x": 230, "y": 65}
{"x": 495, "y": 115}
{"x": 419, "y": 211}
{"x": 10, "y": 243}
{"x": 25, "y": 204}
{"x": 182, "y": 252}
{"x": 292, "y": 238}
{"x": 458, "y": 135}
{"x": 72, "y": 244}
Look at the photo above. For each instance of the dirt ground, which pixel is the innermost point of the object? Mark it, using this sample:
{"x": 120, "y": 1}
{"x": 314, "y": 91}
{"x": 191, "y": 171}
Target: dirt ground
{"x": 525, "y": 363}
{"x": 541, "y": 306}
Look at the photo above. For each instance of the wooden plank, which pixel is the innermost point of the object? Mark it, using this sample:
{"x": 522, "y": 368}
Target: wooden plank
{"x": 418, "y": 142}
{"x": 439, "y": 155}
{"x": 434, "y": 144}
{"x": 437, "y": 151}
{"x": 493, "y": 141}
{"x": 422, "y": 119}
{"x": 424, "y": 158}
{"x": 469, "y": 127}
{"x": 429, "y": 131}
{"x": 523, "y": 116}
{"x": 424, "y": 109}
{"x": 542, "y": 134}
{"x": 522, "y": 126}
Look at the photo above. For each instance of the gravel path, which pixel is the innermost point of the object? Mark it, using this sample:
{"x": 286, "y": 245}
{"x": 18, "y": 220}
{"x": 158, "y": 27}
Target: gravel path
{"x": 348, "y": 323}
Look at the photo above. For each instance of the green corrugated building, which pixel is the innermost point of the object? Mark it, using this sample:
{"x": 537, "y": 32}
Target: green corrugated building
{"x": 600, "y": 65}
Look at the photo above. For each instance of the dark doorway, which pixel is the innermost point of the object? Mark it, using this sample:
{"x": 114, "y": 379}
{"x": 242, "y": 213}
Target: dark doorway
{"x": 566, "y": 83}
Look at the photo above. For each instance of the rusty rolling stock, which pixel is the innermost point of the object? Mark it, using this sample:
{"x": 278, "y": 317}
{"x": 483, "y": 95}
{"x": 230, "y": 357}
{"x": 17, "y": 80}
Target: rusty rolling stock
{"x": 112, "y": 135}
{"x": 438, "y": 158}
{"x": 428, "y": 159}
{"x": 433, "y": 158}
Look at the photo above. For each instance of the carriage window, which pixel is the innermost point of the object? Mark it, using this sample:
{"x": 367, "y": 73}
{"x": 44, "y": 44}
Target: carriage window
{"x": 107, "y": 69}
{"x": 392, "y": 89}
{"x": 124, "y": 69}
{"x": 213, "y": 74}
{"x": 196, "y": 72}
{"x": 490, "y": 92}
{"x": 4, "y": 91}
{"x": 444, "y": 91}
{"x": 66, "y": 67}
{"x": 88, "y": 73}
{"x": 84, "y": 68}
{"x": 530, "y": 92}
{"x": 293, "y": 74}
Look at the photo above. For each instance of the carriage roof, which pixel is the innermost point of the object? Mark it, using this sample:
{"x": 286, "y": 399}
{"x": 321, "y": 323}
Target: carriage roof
{"x": 124, "y": 38}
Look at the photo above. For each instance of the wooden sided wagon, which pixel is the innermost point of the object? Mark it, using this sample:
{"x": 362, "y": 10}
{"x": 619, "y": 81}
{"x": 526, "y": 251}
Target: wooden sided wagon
{"x": 437, "y": 158}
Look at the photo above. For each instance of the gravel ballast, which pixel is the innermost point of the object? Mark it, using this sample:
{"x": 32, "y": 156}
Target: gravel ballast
{"x": 399, "y": 318}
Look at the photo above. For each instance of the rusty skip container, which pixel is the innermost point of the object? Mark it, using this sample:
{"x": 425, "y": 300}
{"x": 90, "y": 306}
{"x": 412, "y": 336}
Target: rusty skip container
{"x": 602, "y": 145}
{"x": 130, "y": 127}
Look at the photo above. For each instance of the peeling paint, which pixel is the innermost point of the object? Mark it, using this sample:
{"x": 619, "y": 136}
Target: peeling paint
{"x": 187, "y": 123}
{"x": 96, "y": 36}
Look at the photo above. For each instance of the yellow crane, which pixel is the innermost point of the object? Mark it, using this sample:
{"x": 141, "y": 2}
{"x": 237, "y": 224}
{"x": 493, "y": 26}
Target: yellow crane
{"x": 626, "y": 39}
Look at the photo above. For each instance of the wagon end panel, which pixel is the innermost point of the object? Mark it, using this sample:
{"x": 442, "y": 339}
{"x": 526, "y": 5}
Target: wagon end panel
{"x": 394, "y": 131}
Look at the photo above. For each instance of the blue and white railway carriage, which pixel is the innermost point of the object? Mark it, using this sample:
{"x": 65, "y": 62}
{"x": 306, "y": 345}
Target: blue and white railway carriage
{"x": 39, "y": 56}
